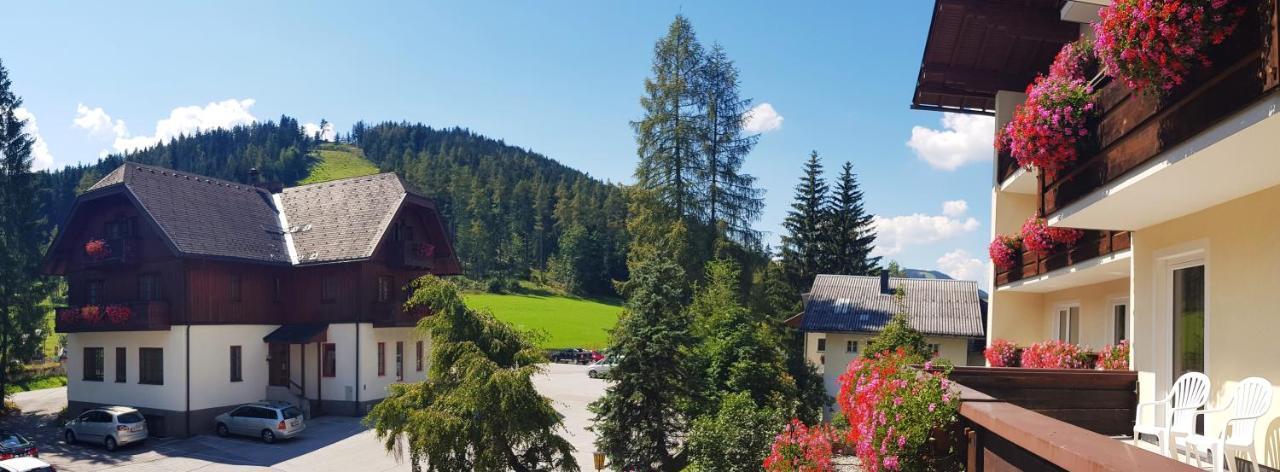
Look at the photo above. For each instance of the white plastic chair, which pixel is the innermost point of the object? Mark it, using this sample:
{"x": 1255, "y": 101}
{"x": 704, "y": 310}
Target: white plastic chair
{"x": 1189, "y": 393}
{"x": 1252, "y": 399}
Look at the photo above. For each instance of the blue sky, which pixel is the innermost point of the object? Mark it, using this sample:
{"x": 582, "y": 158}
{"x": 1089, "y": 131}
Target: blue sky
{"x": 562, "y": 78}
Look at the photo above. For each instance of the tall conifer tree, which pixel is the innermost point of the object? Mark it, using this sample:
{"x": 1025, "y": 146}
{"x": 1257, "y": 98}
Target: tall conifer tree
{"x": 728, "y": 195}
{"x": 851, "y": 234}
{"x": 802, "y": 246}
{"x": 667, "y": 136}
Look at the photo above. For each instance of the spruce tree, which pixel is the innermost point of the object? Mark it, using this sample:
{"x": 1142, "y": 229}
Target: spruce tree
{"x": 728, "y": 194}
{"x": 641, "y": 420}
{"x": 802, "y": 246}
{"x": 667, "y": 135}
{"x": 851, "y": 236}
{"x": 22, "y": 287}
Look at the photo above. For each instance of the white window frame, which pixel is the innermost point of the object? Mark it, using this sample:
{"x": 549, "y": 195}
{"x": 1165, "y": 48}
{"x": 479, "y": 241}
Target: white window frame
{"x": 1056, "y": 316}
{"x": 851, "y": 346}
{"x": 1128, "y": 318}
{"x": 1190, "y": 254}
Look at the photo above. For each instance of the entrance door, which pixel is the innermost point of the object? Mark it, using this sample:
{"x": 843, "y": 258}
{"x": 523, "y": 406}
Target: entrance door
{"x": 278, "y": 364}
{"x": 1188, "y": 318}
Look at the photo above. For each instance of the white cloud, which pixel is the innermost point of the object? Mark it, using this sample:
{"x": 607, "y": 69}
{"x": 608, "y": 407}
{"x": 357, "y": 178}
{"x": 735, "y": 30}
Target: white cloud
{"x": 41, "y": 158}
{"x": 181, "y": 121}
{"x": 326, "y": 134}
{"x": 762, "y": 118}
{"x": 964, "y": 139}
{"x": 895, "y": 233}
{"x": 955, "y": 208}
{"x": 959, "y": 264}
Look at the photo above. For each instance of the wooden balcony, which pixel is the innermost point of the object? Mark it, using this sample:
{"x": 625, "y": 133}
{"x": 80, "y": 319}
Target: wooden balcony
{"x": 407, "y": 254}
{"x": 392, "y": 314}
{"x": 1133, "y": 129}
{"x": 143, "y": 316}
{"x": 1093, "y": 244}
{"x": 121, "y": 252}
{"x": 1050, "y": 419}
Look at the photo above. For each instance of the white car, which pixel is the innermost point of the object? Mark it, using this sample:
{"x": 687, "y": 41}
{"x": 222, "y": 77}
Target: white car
{"x": 110, "y": 426}
{"x": 600, "y": 368}
{"x": 25, "y": 464}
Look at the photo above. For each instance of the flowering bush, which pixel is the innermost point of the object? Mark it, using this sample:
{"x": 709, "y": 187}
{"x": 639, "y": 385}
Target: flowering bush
{"x": 1114, "y": 357}
{"x": 895, "y": 412}
{"x": 1002, "y": 353}
{"x": 1005, "y": 251}
{"x": 1154, "y": 44}
{"x": 1055, "y": 354}
{"x": 424, "y": 250}
{"x": 1041, "y": 238}
{"x": 117, "y": 314}
{"x": 800, "y": 449}
{"x": 91, "y": 313}
{"x": 97, "y": 248}
{"x": 1047, "y": 130}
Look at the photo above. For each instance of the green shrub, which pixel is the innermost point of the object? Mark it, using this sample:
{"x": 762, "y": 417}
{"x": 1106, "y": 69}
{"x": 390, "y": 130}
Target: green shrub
{"x": 736, "y": 438}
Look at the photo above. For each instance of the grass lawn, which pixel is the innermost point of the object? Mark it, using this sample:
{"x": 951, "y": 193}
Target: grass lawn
{"x": 38, "y": 383}
{"x": 565, "y": 321}
{"x": 338, "y": 161}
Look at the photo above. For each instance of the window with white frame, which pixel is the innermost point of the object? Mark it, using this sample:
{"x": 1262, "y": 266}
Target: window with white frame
{"x": 851, "y": 347}
{"x": 1068, "y": 324}
{"x": 1120, "y": 322}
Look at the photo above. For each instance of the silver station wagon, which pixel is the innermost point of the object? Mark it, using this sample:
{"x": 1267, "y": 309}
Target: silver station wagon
{"x": 111, "y": 426}
{"x": 266, "y": 420}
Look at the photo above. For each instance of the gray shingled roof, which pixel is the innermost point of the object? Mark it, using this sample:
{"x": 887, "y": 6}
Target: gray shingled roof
{"x": 342, "y": 219}
{"x": 846, "y": 303}
{"x": 333, "y": 221}
{"x": 203, "y": 216}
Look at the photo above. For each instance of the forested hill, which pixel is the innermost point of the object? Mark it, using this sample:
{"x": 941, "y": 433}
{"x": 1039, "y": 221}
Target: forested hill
{"x": 509, "y": 208}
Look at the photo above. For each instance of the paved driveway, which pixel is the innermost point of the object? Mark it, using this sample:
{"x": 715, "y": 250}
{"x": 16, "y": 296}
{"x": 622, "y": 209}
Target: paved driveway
{"x": 331, "y": 443}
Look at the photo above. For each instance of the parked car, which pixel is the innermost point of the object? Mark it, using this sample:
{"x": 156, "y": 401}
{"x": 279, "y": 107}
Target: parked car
{"x": 601, "y": 367}
{"x": 266, "y": 420}
{"x": 110, "y": 426}
{"x": 575, "y": 356}
{"x": 15, "y": 445}
{"x": 596, "y": 356}
{"x": 25, "y": 464}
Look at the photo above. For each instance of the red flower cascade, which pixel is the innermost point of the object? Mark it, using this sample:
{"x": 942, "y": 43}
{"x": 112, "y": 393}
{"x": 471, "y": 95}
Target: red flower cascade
{"x": 1041, "y": 238}
{"x": 118, "y": 314}
{"x": 1049, "y": 127}
{"x": 1005, "y": 251}
{"x": 97, "y": 249}
{"x": 1153, "y": 45}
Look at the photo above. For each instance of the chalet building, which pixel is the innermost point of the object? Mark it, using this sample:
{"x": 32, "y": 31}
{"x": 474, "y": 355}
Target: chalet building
{"x": 1178, "y": 201}
{"x": 843, "y": 312}
{"x": 189, "y": 295}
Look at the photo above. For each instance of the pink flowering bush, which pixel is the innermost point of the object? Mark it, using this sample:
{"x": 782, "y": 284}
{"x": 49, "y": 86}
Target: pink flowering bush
{"x": 897, "y": 413}
{"x": 1005, "y": 251}
{"x": 1048, "y": 129}
{"x": 1041, "y": 238}
{"x": 1002, "y": 353}
{"x": 1114, "y": 357}
{"x": 1154, "y": 44}
{"x": 799, "y": 448}
{"x": 1055, "y": 354}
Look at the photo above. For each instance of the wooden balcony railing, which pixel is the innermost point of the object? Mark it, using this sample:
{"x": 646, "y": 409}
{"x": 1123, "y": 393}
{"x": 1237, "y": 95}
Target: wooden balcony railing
{"x": 143, "y": 316}
{"x": 1093, "y": 244}
{"x": 409, "y": 254}
{"x": 121, "y": 251}
{"x": 392, "y": 314}
{"x": 1133, "y": 128}
{"x": 1049, "y": 419}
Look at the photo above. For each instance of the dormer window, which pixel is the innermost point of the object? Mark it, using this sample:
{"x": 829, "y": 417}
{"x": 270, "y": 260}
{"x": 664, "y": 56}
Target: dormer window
{"x": 120, "y": 227}
{"x": 403, "y": 231}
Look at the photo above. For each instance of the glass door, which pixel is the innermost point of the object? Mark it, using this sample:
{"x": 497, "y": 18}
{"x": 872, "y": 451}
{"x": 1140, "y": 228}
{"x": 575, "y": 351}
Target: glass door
{"x": 1188, "y": 293}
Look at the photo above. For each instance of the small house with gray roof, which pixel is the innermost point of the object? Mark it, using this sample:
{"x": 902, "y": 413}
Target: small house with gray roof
{"x": 843, "y": 312}
{"x": 188, "y": 295}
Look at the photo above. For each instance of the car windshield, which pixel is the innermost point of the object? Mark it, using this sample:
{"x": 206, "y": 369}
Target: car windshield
{"x": 291, "y": 412}
{"x": 10, "y": 440}
{"x": 131, "y": 417}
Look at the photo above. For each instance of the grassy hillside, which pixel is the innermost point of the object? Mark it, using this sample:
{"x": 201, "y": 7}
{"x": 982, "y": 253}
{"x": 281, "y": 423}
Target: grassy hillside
{"x": 338, "y": 161}
{"x": 566, "y": 321}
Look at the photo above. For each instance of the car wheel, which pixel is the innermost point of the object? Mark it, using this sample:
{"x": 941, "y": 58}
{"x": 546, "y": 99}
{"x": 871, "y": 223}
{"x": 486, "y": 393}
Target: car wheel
{"x": 222, "y": 430}
{"x": 268, "y": 436}
{"x": 110, "y": 444}
{"x": 69, "y": 436}
{"x": 592, "y": 374}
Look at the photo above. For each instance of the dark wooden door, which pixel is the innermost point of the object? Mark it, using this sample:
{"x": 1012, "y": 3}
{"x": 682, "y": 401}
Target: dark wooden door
{"x": 278, "y": 364}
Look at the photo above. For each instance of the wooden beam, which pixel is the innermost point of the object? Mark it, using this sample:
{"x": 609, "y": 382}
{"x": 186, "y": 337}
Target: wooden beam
{"x": 975, "y": 79}
{"x": 1040, "y": 23}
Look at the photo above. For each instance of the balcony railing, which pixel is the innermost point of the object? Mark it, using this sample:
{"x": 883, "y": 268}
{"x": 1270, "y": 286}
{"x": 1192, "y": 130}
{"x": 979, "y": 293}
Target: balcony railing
{"x": 120, "y": 251}
{"x": 413, "y": 255}
{"x": 1093, "y": 244}
{"x": 1006, "y": 166}
{"x": 1133, "y": 128}
{"x": 141, "y": 316}
{"x": 392, "y": 314}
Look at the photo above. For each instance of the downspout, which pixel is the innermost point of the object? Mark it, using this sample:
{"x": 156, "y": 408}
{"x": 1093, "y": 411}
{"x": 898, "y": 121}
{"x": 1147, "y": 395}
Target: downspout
{"x": 186, "y": 316}
{"x": 359, "y": 317}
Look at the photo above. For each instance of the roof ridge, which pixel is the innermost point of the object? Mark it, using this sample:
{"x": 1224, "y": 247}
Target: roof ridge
{"x": 345, "y": 180}
{"x": 189, "y": 176}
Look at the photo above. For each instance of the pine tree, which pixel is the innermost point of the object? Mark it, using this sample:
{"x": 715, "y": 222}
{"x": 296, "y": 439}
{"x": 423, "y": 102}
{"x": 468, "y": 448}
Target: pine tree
{"x": 478, "y": 408}
{"x": 667, "y": 136}
{"x": 802, "y": 246}
{"x": 641, "y": 420}
{"x": 729, "y": 195}
{"x": 22, "y": 287}
{"x": 851, "y": 235}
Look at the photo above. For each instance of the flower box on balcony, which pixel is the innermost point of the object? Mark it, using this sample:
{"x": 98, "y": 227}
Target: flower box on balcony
{"x": 136, "y": 316}
{"x": 415, "y": 255}
{"x": 106, "y": 252}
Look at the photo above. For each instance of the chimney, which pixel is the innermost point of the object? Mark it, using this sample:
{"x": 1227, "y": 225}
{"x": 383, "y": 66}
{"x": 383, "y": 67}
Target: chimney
{"x": 253, "y": 176}
{"x": 256, "y": 181}
{"x": 884, "y": 281}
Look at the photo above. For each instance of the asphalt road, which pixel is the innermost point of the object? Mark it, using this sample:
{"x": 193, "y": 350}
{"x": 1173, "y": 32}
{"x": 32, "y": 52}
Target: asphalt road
{"x": 331, "y": 443}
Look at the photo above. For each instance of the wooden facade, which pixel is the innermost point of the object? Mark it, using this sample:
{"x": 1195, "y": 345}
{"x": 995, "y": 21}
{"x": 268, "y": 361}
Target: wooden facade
{"x": 162, "y": 288}
{"x": 1133, "y": 128}
{"x": 1093, "y": 244}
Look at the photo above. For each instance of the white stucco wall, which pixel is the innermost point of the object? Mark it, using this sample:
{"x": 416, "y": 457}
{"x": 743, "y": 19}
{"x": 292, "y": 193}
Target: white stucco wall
{"x": 211, "y": 384}
{"x": 170, "y": 396}
{"x": 375, "y": 386}
{"x": 954, "y": 349}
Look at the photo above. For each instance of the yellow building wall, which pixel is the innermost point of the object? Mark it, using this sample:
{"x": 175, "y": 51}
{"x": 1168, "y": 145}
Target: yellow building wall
{"x": 1240, "y": 241}
{"x": 837, "y": 356}
{"x": 1096, "y": 315}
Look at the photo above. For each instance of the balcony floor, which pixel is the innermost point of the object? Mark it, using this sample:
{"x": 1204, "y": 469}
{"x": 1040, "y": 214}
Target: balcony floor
{"x": 1099, "y": 269}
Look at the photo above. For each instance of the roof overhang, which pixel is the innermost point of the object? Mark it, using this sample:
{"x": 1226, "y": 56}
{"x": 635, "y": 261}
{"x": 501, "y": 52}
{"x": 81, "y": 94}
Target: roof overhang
{"x": 298, "y": 334}
{"x": 1097, "y": 270}
{"x": 978, "y": 47}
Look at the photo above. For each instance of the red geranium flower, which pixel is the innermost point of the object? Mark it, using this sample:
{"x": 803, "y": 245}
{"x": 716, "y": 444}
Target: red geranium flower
{"x": 1005, "y": 251}
{"x": 1154, "y": 44}
{"x": 118, "y": 314}
{"x": 97, "y": 248}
